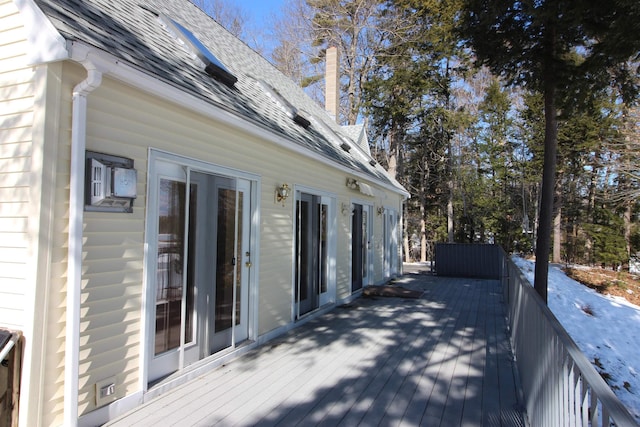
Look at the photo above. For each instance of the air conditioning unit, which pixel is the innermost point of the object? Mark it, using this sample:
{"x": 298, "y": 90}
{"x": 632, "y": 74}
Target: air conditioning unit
{"x": 110, "y": 183}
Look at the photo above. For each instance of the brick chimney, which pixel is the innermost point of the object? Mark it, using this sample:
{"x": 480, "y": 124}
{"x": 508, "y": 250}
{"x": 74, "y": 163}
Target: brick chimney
{"x": 332, "y": 82}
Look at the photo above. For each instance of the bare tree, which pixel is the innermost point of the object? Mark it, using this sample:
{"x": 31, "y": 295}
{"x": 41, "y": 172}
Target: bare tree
{"x": 356, "y": 29}
{"x": 308, "y": 27}
{"x": 626, "y": 154}
{"x": 227, "y": 14}
{"x": 235, "y": 19}
{"x": 293, "y": 47}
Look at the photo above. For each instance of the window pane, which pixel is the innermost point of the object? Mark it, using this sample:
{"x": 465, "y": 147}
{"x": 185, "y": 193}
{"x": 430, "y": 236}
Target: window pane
{"x": 170, "y": 275}
{"x": 239, "y": 258}
{"x": 225, "y": 259}
{"x": 170, "y": 265}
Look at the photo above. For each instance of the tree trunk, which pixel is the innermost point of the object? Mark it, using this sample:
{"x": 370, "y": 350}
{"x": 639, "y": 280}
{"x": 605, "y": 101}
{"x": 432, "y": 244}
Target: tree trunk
{"x": 557, "y": 227}
{"x": 450, "y": 183}
{"x": 591, "y": 207}
{"x": 405, "y": 238}
{"x": 394, "y": 155}
{"x": 536, "y": 211}
{"x": 423, "y": 231}
{"x": 549, "y": 168}
{"x": 450, "y": 217}
{"x": 627, "y": 231}
{"x": 450, "y": 188}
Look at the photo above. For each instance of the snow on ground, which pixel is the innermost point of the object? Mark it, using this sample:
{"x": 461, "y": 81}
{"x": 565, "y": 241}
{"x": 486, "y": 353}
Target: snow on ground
{"x": 605, "y": 328}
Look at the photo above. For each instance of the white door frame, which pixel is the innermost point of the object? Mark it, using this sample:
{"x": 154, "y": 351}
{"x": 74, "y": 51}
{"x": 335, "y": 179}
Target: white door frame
{"x": 330, "y": 200}
{"x": 151, "y": 246}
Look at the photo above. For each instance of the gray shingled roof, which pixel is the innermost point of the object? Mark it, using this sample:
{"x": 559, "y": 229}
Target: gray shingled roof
{"x": 132, "y": 31}
{"x": 359, "y": 135}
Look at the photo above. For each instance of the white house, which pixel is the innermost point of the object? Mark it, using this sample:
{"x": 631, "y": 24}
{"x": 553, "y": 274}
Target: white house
{"x": 124, "y": 284}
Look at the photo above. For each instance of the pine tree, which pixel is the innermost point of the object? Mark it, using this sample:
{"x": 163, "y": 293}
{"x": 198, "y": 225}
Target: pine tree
{"x": 563, "y": 50}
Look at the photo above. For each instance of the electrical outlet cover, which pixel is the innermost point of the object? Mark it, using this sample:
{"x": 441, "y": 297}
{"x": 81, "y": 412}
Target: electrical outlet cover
{"x": 106, "y": 391}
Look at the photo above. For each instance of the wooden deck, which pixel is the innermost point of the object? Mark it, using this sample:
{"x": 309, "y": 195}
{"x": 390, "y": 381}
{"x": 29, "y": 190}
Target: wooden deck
{"x": 442, "y": 360}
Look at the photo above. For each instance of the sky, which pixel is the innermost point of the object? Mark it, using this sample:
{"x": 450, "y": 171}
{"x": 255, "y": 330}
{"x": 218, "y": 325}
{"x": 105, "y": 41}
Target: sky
{"x": 611, "y": 334}
{"x": 259, "y": 10}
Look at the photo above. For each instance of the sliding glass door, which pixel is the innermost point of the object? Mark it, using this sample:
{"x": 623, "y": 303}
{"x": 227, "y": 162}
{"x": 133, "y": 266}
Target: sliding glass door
{"x": 313, "y": 281}
{"x": 200, "y": 290}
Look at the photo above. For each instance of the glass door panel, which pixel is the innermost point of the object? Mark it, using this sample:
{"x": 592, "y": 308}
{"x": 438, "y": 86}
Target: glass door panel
{"x": 230, "y": 305}
{"x": 365, "y": 245}
{"x": 170, "y": 266}
{"x": 306, "y": 241}
{"x": 226, "y": 259}
{"x": 357, "y": 248}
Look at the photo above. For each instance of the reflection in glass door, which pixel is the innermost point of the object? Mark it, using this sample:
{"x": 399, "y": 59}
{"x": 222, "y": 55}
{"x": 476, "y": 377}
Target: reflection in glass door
{"x": 312, "y": 250}
{"x": 170, "y": 271}
{"x": 202, "y": 266}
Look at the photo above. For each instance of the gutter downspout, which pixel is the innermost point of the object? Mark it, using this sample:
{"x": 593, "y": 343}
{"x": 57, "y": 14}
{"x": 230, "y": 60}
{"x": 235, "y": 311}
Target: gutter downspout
{"x": 74, "y": 259}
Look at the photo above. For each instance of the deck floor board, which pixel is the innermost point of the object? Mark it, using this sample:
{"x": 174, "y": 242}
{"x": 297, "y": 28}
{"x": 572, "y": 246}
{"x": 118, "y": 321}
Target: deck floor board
{"x": 441, "y": 360}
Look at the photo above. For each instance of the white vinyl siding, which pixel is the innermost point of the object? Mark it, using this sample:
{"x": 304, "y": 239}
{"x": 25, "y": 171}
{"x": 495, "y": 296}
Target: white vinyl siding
{"x": 16, "y": 118}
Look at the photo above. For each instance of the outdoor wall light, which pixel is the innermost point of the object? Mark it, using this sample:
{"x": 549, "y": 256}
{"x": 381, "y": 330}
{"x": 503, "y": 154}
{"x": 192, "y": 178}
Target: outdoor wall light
{"x": 344, "y": 208}
{"x": 352, "y": 183}
{"x": 282, "y": 193}
{"x": 380, "y": 210}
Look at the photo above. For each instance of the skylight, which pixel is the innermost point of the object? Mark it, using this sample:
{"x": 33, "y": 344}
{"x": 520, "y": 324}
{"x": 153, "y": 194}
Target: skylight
{"x": 213, "y": 66}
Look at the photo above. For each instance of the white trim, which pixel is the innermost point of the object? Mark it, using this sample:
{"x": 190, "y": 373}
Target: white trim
{"x": 45, "y": 42}
{"x": 141, "y": 80}
{"x": 74, "y": 257}
{"x": 199, "y": 165}
{"x": 109, "y": 412}
{"x": 254, "y": 248}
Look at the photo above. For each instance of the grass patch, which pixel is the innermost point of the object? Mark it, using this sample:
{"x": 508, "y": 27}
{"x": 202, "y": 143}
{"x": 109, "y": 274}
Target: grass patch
{"x": 608, "y": 282}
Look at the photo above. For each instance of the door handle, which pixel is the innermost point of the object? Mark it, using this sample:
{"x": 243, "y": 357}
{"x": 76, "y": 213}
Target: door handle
{"x": 248, "y": 263}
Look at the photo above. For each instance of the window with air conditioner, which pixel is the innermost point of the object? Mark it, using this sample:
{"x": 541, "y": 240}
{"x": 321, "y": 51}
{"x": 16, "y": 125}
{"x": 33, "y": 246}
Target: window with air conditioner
{"x": 110, "y": 184}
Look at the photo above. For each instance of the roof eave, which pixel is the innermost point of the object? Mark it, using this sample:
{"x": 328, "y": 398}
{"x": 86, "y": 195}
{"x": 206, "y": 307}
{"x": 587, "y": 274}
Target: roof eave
{"x": 46, "y": 44}
{"x": 128, "y": 74}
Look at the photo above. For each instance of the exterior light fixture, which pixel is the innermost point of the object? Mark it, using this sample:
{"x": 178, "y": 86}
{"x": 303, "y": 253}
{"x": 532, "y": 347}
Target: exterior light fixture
{"x": 282, "y": 193}
{"x": 380, "y": 210}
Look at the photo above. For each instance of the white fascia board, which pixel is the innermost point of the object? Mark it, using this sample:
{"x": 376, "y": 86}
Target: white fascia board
{"x": 46, "y": 44}
{"x": 127, "y": 74}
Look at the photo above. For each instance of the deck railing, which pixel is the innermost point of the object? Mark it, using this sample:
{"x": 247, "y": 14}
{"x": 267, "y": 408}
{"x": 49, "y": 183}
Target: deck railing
{"x": 560, "y": 386}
